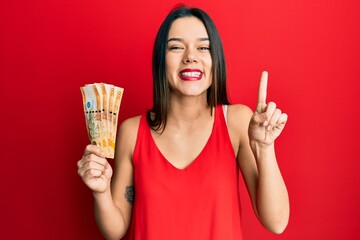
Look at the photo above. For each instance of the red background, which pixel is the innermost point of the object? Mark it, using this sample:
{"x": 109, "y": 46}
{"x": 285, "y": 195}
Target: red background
{"x": 48, "y": 49}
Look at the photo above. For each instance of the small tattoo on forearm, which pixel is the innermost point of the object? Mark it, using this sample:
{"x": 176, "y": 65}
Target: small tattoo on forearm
{"x": 130, "y": 194}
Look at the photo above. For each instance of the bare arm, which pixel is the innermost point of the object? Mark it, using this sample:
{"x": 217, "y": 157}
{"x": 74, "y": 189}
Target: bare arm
{"x": 257, "y": 160}
{"x": 111, "y": 207}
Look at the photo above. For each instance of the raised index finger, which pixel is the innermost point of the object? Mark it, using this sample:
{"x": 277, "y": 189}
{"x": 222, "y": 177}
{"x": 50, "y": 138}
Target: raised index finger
{"x": 262, "y": 92}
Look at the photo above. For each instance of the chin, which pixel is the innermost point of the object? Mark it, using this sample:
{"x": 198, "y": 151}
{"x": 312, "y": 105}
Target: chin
{"x": 194, "y": 93}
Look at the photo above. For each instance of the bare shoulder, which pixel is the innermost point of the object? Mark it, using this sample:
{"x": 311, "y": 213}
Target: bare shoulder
{"x": 127, "y": 134}
{"x": 130, "y": 125}
{"x": 239, "y": 116}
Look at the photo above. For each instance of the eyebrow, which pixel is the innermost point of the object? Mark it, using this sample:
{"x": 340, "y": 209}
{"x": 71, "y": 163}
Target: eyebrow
{"x": 181, "y": 39}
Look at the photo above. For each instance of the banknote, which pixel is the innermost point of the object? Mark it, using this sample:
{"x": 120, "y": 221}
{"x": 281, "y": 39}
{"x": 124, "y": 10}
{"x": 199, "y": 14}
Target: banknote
{"x": 101, "y": 108}
{"x": 116, "y": 93}
{"x": 103, "y": 128}
{"x": 92, "y": 110}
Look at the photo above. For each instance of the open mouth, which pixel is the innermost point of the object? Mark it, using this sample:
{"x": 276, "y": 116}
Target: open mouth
{"x": 191, "y": 74}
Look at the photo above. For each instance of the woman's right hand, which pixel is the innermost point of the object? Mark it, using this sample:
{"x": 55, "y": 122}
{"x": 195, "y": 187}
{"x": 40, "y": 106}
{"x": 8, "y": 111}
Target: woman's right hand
{"x": 94, "y": 169}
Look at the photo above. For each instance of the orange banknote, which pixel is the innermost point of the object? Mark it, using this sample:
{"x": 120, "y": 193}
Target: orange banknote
{"x": 101, "y": 108}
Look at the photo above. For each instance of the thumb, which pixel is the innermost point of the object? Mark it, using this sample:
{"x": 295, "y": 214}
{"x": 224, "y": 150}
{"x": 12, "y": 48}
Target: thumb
{"x": 259, "y": 118}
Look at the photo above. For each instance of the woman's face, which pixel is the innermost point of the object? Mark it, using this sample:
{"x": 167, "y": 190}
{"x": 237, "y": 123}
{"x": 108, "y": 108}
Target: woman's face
{"x": 188, "y": 59}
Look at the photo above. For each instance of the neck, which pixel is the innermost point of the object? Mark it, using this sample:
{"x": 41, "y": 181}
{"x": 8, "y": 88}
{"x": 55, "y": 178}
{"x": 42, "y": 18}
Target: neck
{"x": 188, "y": 109}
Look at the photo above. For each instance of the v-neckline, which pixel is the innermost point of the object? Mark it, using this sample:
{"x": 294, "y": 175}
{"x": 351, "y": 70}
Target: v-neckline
{"x": 196, "y": 159}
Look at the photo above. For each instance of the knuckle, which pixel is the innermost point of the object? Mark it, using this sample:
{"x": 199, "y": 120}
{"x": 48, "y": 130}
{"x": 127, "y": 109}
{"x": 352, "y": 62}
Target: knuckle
{"x": 273, "y": 121}
{"x": 81, "y": 172}
{"x": 104, "y": 162}
{"x": 91, "y": 172}
{"x": 87, "y": 175}
{"x": 263, "y": 117}
{"x": 257, "y": 118}
{"x": 94, "y": 172}
{"x": 90, "y": 164}
{"x": 91, "y": 157}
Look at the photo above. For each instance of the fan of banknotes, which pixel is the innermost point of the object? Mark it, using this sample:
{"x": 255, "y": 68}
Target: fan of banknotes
{"x": 101, "y": 107}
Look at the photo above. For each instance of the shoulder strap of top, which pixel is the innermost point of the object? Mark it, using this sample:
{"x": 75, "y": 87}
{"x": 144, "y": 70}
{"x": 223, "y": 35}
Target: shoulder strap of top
{"x": 225, "y": 109}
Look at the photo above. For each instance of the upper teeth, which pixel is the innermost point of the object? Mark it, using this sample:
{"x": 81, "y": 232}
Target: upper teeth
{"x": 190, "y": 74}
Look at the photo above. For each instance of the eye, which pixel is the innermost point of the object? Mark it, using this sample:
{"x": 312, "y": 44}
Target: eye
{"x": 204, "y": 49}
{"x": 176, "y": 48}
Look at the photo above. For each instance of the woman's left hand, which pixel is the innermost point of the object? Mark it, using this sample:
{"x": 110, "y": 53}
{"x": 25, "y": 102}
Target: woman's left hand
{"x": 267, "y": 121}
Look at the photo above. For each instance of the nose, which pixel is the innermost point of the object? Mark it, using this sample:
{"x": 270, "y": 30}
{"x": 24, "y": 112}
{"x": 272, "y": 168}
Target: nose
{"x": 190, "y": 57}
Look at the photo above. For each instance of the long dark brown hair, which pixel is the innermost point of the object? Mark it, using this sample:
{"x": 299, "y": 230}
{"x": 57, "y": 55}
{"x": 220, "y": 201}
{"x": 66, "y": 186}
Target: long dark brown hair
{"x": 216, "y": 94}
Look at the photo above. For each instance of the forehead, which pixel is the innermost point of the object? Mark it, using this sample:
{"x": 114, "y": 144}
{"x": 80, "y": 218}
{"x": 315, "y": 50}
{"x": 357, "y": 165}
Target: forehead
{"x": 187, "y": 27}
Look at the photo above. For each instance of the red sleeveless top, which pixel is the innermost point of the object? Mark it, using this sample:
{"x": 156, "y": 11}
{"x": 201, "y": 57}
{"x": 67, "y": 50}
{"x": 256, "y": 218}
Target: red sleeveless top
{"x": 195, "y": 203}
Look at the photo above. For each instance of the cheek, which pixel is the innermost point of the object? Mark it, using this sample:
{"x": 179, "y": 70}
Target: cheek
{"x": 207, "y": 61}
{"x": 170, "y": 65}
{"x": 208, "y": 64}
{"x": 169, "y": 70}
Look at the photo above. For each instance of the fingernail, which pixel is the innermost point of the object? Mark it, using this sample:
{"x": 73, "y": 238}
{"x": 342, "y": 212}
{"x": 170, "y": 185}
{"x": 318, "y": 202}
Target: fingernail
{"x": 265, "y": 123}
{"x": 269, "y": 128}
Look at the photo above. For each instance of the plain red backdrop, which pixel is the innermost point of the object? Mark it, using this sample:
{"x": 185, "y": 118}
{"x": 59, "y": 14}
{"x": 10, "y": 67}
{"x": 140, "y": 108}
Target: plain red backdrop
{"x": 48, "y": 49}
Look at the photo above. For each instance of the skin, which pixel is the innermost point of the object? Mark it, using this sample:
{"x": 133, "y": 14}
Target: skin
{"x": 188, "y": 128}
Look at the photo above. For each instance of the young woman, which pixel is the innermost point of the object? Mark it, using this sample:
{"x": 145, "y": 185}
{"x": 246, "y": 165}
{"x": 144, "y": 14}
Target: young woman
{"x": 176, "y": 167}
